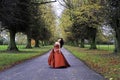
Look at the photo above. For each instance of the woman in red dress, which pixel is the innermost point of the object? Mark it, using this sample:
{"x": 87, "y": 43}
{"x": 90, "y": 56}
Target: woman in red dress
{"x": 56, "y": 58}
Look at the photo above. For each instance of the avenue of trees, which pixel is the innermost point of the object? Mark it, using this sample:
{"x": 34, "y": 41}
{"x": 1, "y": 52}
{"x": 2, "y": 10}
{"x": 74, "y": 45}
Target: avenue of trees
{"x": 86, "y": 19}
{"x": 26, "y": 16}
{"x": 82, "y": 20}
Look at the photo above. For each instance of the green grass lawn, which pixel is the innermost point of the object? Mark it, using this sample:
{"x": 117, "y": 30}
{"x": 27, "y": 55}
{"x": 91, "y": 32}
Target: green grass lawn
{"x": 102, "y": 61}
{"x": 103, "y": 47}
{"x": 9, "y": 59}
{"x": 4, "y": 47}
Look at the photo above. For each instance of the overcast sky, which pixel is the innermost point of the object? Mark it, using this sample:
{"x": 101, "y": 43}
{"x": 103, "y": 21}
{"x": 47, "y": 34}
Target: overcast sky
{"x": 57, "y": 8}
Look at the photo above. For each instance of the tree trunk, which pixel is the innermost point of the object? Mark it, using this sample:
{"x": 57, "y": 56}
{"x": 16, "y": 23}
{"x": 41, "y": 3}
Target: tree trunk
{"x": 28, "y": 42}
{"x": 117, "y": 45}
{"x": 75, "y": 43}
{"x": 42, "y": 43}
{"x": 37, "y": 43}
{"x": 93, "y": 44}
{"x": 93, "y": 40}
{"x": 117, "y": 39}
{"x": 46, "y": 43}
{"x": 12, "y": 44}
{"x": 82, "y": 43}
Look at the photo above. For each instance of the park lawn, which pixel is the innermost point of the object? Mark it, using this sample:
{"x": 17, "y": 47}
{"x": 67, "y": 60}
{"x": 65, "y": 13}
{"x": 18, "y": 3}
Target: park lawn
{"x": 9, "y": 59}
{"x": 103, "y": 47}
{"x": 102, "y": 61}
{"x": 3, "y": 47}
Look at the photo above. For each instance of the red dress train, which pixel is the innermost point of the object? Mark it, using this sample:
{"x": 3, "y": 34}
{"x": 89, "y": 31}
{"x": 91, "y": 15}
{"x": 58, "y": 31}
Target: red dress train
{"x": 56, "y": 58}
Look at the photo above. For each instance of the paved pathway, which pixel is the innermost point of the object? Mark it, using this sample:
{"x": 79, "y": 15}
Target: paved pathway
{"x": 38, "y": 69}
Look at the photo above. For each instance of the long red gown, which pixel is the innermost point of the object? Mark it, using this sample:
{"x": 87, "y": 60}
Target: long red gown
{"x": 56, "y": 59}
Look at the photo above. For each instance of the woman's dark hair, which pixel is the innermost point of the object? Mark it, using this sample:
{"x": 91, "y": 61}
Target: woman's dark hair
{"x": 61, "y": 42}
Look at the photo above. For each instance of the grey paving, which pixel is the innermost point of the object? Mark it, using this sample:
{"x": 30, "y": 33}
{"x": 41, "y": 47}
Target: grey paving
{"x": 38, "y": 69}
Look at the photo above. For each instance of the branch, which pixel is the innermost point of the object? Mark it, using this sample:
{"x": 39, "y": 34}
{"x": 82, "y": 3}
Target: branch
{"x": 62, "y": 4}
{"x": 66, "y": 4}
{"x": 38, "y": 3}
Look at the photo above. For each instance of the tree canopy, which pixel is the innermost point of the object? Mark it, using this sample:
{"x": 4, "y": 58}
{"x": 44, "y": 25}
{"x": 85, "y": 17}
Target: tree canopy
{"x": 21, "y": 16}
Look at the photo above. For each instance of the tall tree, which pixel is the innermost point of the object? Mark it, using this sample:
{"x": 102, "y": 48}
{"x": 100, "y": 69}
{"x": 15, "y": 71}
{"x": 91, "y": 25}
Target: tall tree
{"x": 114, "y": 21}
{"x": 86, "y": 16}
{"x": 48, "y": 17}
{"x": 13, "y": 17}
{"x": 65, "y": 24}
{"x": 41, "y": 19}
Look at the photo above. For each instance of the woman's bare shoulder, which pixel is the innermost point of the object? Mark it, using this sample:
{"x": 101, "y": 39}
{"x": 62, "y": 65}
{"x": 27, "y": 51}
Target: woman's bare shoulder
{"x": 57, "y": 43}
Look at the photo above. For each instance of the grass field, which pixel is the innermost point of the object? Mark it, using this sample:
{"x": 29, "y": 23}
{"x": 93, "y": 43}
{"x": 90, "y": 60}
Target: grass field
{"x": 4, "y": 47}
{"x": 101, "y": 60}
{"x": 9, "y": 59}
{"x": 103, "y": 47}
